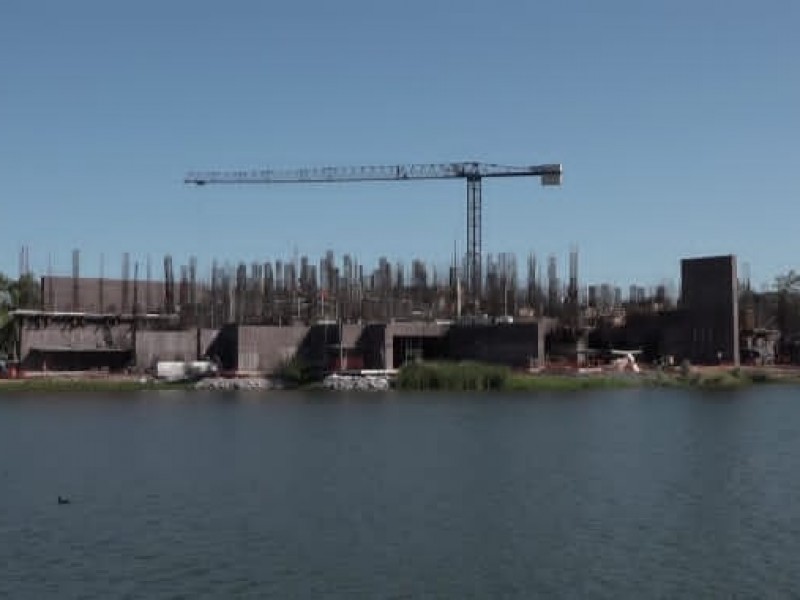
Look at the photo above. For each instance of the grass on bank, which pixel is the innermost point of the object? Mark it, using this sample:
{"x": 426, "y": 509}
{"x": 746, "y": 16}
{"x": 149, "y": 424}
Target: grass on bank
{"x": 447, "y": 376}
{"x": 473, "y": 376}
{"x": 295, "y": 372}
{"x": 734, "y": 378}
{"x": 555, "y": 383}
{"x": 452, "y": 376}
{"x": 66, "y": 384}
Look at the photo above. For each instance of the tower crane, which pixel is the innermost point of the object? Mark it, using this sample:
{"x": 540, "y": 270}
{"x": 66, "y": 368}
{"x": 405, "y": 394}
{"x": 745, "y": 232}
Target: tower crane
{"x": 473, "y": 172}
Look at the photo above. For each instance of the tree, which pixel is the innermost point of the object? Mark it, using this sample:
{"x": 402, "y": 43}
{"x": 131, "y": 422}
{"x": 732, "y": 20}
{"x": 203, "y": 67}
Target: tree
{"x": 788, "y": 288}
{"x": 6, "y": 299}
{"x": 788, "y": 283}
{"x": 6, "y": 304}
{"x": 14, "y": 294}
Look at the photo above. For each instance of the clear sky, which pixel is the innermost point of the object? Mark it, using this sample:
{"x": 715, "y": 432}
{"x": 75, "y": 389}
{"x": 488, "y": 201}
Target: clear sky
{"x": 677, "y": 122}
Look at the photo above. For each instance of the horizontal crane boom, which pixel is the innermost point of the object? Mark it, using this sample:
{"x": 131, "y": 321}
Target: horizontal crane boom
{"x": 473, "y": 172}
{"x": 550, "y": 174}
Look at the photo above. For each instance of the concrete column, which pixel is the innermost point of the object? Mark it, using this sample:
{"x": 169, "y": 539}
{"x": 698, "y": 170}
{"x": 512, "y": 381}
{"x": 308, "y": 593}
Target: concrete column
{"x": 388, "y": 347}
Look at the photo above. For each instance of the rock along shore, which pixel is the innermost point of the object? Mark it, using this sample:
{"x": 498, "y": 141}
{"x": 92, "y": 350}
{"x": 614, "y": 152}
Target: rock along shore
{"x": 348, "y": 383}
{"x": 227, "y": 384}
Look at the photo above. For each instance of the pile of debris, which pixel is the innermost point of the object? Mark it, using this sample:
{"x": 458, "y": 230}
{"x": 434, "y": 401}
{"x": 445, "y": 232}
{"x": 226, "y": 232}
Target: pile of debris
{"x": 230, "y": 384}
{"x": 356, "y": 382}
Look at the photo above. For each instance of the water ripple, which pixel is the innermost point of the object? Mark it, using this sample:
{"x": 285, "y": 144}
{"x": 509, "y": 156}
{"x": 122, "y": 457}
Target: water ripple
{"x": 646, "y": 493}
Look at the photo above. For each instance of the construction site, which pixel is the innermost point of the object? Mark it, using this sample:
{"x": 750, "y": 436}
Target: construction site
{"x": 339, "y": 315}
{"x": 336, "y": 313}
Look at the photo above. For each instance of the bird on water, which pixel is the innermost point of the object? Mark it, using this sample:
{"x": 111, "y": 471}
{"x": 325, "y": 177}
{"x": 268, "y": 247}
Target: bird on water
{"x": 62, "y": 500}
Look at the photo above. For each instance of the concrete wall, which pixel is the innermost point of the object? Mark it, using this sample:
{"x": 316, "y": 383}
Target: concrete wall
{"x": 351, "y": 335}
{"x": 223, "y": 349}
{"x": 58, "y": 294}
{"x": 710, "y": 298}
{"x": 407, "y": 329}
{"x": 706, "y": 323}
{"x": 78, "y": 360}
{"x": 515, "y": 345}
{"x": 207, "y": 337}
{"x": 88, "y": 337}
{"x": 262, "y": 349}
{"x": 152, "y": 346}
{"x": 658, "y": 335}
{"x": 373, "y": 346}
{"x": 66, "y": 346}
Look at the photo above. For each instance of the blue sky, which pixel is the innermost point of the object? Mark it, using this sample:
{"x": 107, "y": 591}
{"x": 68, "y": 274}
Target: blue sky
{"x": 677, "y": 122}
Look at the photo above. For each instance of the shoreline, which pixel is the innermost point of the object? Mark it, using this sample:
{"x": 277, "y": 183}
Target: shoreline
{"x": 71, "y": 383}
{"x": 438, "y": 377}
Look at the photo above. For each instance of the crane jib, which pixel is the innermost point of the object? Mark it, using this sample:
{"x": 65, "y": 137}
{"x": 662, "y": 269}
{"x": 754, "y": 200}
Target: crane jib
{"x": 473, "y": 172}
{"x": 550, "y": 173}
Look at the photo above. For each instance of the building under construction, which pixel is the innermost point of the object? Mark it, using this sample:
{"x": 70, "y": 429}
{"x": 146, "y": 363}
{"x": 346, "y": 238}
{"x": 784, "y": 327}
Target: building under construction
{"x": 304, "y": 290}
{"x": 252, "y": 317}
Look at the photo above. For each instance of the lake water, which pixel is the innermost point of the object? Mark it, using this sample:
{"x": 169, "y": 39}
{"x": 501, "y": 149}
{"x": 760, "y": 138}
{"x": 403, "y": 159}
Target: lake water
{"x": 634, "y": 493}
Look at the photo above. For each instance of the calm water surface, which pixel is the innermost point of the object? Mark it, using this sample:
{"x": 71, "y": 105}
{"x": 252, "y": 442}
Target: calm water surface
{"x": 640, "y": 494}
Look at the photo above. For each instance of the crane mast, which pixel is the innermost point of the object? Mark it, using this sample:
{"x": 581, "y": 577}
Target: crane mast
{"x": 473, "y": 172}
